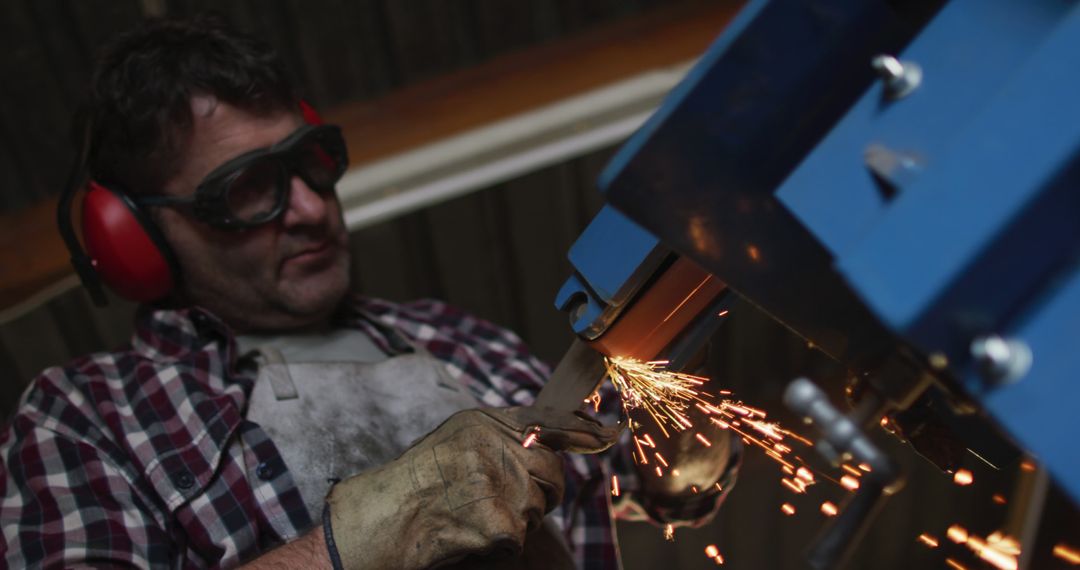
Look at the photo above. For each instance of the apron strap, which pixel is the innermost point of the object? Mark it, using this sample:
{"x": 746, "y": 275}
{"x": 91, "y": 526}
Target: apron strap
{"x": 278, "y": 373}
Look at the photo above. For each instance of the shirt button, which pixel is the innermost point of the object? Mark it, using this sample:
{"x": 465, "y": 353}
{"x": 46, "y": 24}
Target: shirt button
{"x": 265, "y": 471}
{"x": 185, "y": 480}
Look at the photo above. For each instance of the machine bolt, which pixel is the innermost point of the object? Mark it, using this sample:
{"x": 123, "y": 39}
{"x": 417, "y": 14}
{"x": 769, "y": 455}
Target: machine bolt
{"x": 900, "y": 77}
{"x": 1001, "y": 361}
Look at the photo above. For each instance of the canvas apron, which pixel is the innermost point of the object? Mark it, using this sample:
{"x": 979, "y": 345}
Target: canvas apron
{"x": 330, "y": 420}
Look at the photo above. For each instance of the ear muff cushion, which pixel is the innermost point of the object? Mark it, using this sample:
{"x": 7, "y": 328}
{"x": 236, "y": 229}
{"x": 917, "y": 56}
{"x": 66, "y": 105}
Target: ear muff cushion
{"x": 126, "y": 256}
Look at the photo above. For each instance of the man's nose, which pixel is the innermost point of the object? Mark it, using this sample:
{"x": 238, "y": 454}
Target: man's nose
{"x": 306, "y": 206}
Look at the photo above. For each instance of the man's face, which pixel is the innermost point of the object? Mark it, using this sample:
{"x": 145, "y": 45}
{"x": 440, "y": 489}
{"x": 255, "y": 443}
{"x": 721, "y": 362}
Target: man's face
{"x": 287, "y": 274}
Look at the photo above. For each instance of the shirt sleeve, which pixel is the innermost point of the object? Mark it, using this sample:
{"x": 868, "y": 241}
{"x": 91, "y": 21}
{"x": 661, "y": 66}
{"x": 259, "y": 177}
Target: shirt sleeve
{"x": 65, "y": 506}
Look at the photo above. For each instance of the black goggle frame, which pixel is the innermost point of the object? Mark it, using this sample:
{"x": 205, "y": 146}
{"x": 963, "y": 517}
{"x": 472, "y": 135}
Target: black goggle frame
{"x": 210, "y": 202}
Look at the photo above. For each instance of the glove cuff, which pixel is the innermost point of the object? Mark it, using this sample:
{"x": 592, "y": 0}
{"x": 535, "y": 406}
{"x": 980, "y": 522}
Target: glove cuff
{"x": 331, "y": 546}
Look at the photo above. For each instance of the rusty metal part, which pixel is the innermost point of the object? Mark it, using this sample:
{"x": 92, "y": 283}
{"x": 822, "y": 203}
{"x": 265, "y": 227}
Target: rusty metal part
{"x": 661, "y": 312}
{"x": 575, "y": 378}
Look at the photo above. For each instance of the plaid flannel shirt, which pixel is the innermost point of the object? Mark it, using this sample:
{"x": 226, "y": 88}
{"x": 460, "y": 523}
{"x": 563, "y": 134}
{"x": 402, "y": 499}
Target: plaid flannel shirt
{"x": 142, "y": 456}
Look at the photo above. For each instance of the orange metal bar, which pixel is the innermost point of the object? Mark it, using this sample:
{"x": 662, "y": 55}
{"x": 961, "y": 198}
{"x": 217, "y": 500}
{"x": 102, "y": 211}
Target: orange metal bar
{"x": 658, "y": 315}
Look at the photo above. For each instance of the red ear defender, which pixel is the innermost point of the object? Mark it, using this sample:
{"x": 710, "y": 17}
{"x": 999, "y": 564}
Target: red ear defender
{"x": 311, "y": 116}
{"x": 126, "y": 249}
{"x": 123, "y": 247}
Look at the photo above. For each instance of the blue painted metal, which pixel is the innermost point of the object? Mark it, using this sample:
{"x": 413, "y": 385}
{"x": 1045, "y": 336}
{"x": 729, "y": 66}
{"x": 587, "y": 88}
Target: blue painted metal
{"x": 701, "y": 172}
{"x": 995, "y": 215}
{"x": 612, "y": 259}
{"x": 1040, "y": 408}
{"x": 873, "y": 226}
{"x": 964, "y": 61}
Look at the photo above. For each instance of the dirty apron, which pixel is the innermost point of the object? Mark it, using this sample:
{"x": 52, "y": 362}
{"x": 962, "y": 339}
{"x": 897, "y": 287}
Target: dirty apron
{"x": 332, "y": 419}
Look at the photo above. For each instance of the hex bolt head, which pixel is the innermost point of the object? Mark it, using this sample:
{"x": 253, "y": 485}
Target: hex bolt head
{"x": 1001, "y": 361}
{"x": 900, "y": 77}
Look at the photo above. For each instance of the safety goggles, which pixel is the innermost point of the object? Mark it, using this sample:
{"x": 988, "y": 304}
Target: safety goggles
{"x": 253, "y": 188}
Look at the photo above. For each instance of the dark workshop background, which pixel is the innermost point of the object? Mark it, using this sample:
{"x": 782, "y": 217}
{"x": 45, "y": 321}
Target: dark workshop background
{"x": 498, "y": 252}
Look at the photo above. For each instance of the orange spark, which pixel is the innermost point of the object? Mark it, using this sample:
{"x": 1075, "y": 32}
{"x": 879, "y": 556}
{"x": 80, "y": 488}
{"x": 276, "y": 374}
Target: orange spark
{"x": 999, "y": 550}
{"x": 686, "y": 300}
{"x": 1004, "y": 543}
{"x": 663, "y": 394}
{"x": 848, "y": 482}
{"x": 704, "y": 441}
{"x": 928, "y": 540}
{"x": 1027, "y": 465}
{"x": 674, "y": 472}
{"x": 614, "y": 485}
{"x": 954, "y": 564}
{"x": 693, "y": 489}
{"x": 530, "y": 439}
{"x": 669, "y": 533}
{"x": 828, "y": 509}
{"x": 854, "y": 472}
{"x": 963, "y": 477}
{"x": 957, "y": 534}
{"x": 798, "y": 438}
{"x": 793, "y": 486}
{"x": 990, "y": 553}
{"x": 805, "y": 474}
{"x": 1067, "y": 553}
{"x": 864, "y": 467}
{"x": 999, "y": 499}
{"x": 659, "y": 472}
{"x": 722, "y": 313}
{"x": 787, "y": 509}
{"x": 712, "y": 551}
{"x": 640, "y": 452}
{"x": 660, "y": 458}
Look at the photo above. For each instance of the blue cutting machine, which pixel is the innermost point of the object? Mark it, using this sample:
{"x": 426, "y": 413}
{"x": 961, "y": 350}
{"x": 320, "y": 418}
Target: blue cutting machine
{"x": 899, "y": 183}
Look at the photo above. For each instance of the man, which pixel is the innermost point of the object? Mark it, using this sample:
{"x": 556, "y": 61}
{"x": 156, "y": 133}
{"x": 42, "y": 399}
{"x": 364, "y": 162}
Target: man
{"x": 257, "y": 387}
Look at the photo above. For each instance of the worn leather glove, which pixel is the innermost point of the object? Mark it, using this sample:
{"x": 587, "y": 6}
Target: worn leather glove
{"x": 470, "y": 487}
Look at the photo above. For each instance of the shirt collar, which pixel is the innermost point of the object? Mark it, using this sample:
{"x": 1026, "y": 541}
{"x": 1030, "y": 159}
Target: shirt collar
{"x": 170, "y": 334}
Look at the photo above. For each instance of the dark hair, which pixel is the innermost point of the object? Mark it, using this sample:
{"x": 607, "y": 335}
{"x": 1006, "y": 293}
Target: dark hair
{"x": 139, "y": 110}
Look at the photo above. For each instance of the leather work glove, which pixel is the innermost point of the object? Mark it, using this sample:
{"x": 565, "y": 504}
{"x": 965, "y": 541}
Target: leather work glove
{"x": 470, "y": 487}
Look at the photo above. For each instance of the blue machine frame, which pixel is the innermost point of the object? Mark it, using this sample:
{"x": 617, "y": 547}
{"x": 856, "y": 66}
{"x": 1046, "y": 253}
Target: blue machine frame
{"x": 925, "y": 222}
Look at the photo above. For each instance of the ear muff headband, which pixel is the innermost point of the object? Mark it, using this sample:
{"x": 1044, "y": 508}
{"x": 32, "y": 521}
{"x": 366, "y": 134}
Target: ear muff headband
{"x": 124, "y": 248}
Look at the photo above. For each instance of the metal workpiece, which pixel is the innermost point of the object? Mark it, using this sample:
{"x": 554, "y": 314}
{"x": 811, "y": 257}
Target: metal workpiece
{"x": 842, "y": 437}
{"x": 900, "y": 77}
{"x": 575, "y": 378}
{"x": 1001, "y": 361}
